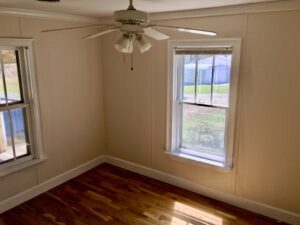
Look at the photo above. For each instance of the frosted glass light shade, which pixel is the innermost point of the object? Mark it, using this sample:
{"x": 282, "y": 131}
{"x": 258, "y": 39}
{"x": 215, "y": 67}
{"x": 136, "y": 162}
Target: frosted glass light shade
{"x": 125, "y": 45}
{"x": 143, "y": 44}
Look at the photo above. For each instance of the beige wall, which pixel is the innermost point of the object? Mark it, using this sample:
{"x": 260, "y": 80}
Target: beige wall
{"x": 70, "y": 87}
{"x": 266, "y": 149}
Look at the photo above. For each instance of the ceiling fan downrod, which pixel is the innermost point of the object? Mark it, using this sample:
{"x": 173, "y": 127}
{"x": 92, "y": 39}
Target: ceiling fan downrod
{"x": 131, "y": 7}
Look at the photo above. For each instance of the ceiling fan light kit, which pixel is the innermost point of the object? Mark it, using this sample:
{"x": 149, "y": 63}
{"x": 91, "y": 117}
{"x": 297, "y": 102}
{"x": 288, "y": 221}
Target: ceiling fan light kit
{"x": 143, "y": 44}
{"x": 135, "y": 25}
{"x": 125, "y": 44}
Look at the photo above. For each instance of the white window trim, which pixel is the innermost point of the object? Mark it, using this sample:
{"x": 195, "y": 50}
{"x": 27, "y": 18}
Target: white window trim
{"x": 172, "y": 118}
{"x": 30, "y": 79}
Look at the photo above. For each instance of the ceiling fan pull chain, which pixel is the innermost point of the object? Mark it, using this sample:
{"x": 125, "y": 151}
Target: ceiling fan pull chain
{"x": 123, "y": 56}
{"x": 132, "y": 61}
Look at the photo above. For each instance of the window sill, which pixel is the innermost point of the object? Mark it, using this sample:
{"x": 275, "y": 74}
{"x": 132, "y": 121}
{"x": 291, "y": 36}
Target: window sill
{"x": 200, "y": 162}
{"x": 20, "y": 166}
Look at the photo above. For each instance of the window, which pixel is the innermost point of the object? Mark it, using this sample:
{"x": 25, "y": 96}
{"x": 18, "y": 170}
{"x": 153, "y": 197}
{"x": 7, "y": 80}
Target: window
{"x": 203, "y": 92}
{"x": 20, "y": 134}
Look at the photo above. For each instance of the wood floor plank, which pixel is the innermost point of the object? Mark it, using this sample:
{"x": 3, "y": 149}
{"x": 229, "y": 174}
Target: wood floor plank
{"x": 114, "y": 196}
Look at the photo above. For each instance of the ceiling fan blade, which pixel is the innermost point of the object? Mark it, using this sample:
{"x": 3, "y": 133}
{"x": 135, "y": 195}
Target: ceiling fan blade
{"x": 101, "y": 33}
{"x": 80, "y": 27}
{"x": 150, "y": 32}
{"x": 188, "y": 30}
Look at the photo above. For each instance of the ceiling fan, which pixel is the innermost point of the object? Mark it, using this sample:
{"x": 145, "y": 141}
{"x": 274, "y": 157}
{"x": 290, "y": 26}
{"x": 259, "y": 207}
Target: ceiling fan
{"x": 135, "y": 25}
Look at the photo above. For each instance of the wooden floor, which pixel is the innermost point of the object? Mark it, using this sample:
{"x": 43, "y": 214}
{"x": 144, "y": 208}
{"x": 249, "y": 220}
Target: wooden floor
{"x": 110, "y": 195}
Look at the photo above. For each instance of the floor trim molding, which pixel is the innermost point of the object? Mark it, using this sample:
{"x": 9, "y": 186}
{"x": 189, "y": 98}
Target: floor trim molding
{"x": 244, "y": 203}
{"x": 49, "y": 184}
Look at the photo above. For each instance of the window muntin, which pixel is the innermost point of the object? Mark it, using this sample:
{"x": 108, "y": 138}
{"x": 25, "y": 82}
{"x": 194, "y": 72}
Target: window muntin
{"x": 203, "y": 92}
{"x": 15, "y": 126}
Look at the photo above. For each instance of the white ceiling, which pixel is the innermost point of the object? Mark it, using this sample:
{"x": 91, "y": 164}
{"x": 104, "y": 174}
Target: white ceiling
{"x": 101, "y": 8}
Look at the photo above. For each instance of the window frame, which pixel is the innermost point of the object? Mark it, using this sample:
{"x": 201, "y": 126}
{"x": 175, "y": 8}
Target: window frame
{"x": 174, "y": 114}
{"x": 29, "y": 92}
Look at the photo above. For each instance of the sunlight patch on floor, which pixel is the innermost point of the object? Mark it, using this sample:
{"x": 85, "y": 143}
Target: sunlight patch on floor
{"x": 195, "y": 214}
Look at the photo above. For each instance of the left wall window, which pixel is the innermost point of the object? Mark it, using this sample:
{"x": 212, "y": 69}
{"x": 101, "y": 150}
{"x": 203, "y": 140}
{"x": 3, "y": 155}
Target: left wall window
{"x": 20, "y": 133}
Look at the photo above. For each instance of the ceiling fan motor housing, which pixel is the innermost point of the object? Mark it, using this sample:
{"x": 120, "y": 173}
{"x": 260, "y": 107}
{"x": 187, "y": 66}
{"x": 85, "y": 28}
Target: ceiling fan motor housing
{"x": 131, "y": 16}
{"x": 132, "y": 28}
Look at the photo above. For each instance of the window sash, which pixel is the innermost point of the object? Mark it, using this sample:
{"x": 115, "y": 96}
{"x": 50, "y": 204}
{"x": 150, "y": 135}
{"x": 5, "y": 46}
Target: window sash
{"x": 19, "y": 51}
{"x": 27, "y": 130}
{"x": 23, "y": 104}
{"x": 180, "y": 85}
{"x": 196, "y": 153}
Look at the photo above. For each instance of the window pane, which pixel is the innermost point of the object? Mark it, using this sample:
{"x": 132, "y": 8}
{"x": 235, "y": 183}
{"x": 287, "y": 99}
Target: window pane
{"x": 20, "y": 132}
{"x": 221, "y": 80}
{"x": 203, "y": 131}
{"x": 6, "y": 150}
{"x": 189, "y": 72}
{"x": 9, "y": 58}
{"x": 204, "y": 79}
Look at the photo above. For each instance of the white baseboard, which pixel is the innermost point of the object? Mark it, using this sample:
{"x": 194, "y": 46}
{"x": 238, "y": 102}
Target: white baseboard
{"x": 247, "y": 204}
{"x": 49, "y": 184}
{"x": 256, "y": 207}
